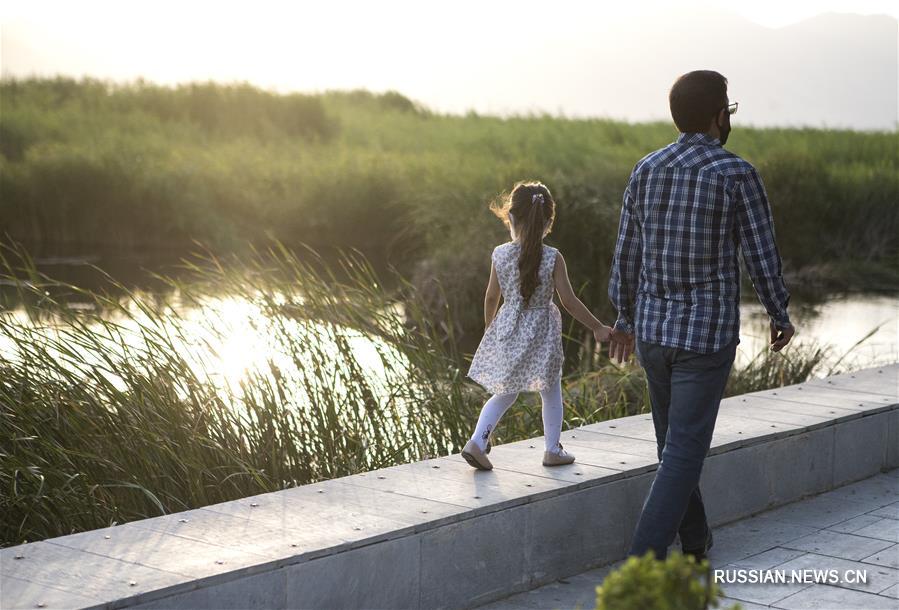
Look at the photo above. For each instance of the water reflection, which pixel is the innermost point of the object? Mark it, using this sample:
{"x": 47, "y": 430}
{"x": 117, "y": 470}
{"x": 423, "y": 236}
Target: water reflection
{"x": 225, "y": 341}
{"x": 838, "y": 323}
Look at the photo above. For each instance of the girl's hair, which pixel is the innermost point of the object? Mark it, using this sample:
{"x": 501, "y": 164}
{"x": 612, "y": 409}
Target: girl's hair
{"x": 528, "y": 211}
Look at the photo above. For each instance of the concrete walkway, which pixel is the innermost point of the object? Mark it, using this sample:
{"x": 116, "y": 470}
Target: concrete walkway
{"x": 855, "y": 527}
{"x": 437, "y": 534}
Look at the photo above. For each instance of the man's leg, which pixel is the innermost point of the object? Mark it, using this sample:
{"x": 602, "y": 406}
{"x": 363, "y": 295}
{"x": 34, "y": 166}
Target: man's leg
{"x": 697, "y": 383}
{"x": 655, "y": 360}
{"x": 658, "y": 378}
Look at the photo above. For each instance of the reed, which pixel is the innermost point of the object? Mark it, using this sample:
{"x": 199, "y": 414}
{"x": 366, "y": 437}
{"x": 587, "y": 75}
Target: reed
{"x": 116, "y": 410}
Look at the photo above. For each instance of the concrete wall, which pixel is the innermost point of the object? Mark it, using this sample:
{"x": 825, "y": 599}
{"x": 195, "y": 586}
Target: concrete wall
{"x": 437, "y": 534}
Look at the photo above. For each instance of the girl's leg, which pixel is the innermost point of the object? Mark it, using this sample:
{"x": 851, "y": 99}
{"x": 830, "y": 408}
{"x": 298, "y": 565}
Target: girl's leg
{"x": 552, "y": 416}
{"x": 491, "y": 413}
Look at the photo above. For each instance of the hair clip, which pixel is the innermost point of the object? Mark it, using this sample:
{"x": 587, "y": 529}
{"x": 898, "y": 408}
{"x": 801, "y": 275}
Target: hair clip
{"x": 537, "y": 198}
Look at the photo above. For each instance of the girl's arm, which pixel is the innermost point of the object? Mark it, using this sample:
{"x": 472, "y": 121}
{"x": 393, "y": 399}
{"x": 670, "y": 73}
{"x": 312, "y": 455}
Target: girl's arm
{"x": 573, "y": 305}
{"x": 491, "y": 299}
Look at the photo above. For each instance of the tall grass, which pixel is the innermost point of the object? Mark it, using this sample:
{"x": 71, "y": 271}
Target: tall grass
{"x": 106, "y": 416}
{"x": 116, "y": 410}
{"x": 226, "y": 163}
{"x": 88, "y": 166}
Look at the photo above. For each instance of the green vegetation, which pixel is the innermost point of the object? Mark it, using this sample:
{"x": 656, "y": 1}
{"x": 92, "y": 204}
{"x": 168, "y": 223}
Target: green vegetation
{"x": 646, "y": 583}
{"x": 87, "y": 165}
{"x": 106, "y": 416}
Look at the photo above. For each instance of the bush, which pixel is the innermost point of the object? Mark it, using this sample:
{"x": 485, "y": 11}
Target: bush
{"x": 646, "y": 583}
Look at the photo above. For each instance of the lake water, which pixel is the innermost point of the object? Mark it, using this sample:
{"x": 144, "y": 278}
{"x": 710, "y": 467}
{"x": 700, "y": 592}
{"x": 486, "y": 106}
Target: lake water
{"x": 839, "y": 323}
{"x": 856, "y": 330}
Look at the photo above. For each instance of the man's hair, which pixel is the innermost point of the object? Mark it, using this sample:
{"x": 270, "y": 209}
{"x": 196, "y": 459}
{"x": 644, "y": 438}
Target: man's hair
{"x": 695, "y": 98}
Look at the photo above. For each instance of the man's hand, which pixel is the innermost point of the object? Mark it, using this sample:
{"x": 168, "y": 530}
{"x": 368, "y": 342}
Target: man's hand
{"x": 621, "y": 345}
{"x": 781, "y": 336}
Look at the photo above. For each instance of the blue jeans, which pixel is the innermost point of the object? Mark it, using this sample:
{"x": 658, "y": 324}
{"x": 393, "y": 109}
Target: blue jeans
{"x": 685, "y": 390}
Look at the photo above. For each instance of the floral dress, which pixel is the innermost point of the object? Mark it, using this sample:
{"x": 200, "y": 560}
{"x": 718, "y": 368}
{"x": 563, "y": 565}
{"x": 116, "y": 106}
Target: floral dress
{"x": 521, "y": 350}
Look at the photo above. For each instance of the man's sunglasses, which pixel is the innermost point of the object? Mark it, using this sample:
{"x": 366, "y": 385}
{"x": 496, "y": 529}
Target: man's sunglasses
{"x": 732, "y": 108}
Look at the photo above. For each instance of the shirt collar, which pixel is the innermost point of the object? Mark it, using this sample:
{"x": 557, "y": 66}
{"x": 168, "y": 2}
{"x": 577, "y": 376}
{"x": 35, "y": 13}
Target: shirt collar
{"x": 696, "y": 138}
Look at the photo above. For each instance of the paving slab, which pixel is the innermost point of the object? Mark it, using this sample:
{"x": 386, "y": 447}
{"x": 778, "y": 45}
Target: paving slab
{"x": 756, "y": 404}
{"x": 729, "y": 602}
{"x": 836, "y": 544}
{"x": 84, "y": 574}
{"x": 580, "y": 472}
{"x": 823, "y": 511}
{"x": 780, "y": 411}
{"x": 891, "y": 592}
{"x": 586, "y": 437}
{"x": 479, "y": 491}
{"x": 754, "y": 535}
{"x": 855, "y": 523}
{"x": 270, "y": 538}
{"x": 17, "y": 594}
{"x": 532, "y": 452}
{"x": 888, "y": 557}
{"x": 329, "y": 501}
{"x": 635, "y": 426}
{"x": 766, "y": 560}
{"x": 826, "y": 597}
{"x": 314, "y": 532}
{"x": 763, "y": 594}
{"x": 733, "y": 431}
{"x": 860, "y": 402}
{"x": 877, "y": 578}
{"x": 885, "y": 529}
{"x": 879, "y": 380}
{"x": 162, "y": 551}
{"x": 890, "y": 511}
{"x": 876, "y": 492}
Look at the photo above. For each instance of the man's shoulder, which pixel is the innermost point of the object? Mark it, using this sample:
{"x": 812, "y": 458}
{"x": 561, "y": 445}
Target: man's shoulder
{"x": 725, "y": 162}
{"x": 653, "y": 159}
{"x": 707, "y": 158}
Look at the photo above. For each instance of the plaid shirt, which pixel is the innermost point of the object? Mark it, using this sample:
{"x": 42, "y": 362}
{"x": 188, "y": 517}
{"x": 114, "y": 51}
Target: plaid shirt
{"x": 688, "y": 209}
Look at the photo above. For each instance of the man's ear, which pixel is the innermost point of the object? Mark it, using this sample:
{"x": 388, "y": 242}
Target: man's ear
{"x": 713, "y": 125}
{"x": 719, "y": 117}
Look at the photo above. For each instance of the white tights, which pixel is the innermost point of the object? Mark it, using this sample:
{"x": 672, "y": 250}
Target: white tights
{"x": 496, "y": 406}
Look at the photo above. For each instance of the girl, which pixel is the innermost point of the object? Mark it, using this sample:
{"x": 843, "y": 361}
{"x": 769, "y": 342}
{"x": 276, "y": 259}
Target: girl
{"x": 521, "y": 350}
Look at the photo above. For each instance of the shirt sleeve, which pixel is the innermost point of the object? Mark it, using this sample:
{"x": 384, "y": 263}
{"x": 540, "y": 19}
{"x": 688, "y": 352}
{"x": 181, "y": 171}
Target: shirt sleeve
{"x": 625, "y": 273}
{"x": 757, "y": 243}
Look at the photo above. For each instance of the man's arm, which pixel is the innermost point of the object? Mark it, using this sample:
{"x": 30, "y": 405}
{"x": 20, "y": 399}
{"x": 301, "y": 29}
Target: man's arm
{"x": 625, "y": 275}
{"x": 759, "y": 248}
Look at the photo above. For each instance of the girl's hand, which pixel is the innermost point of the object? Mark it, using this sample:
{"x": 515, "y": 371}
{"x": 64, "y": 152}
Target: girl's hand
{"x": 603, "y": 333}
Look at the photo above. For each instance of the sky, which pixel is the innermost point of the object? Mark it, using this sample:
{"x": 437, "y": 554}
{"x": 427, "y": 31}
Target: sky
{"x": 577, "y": 58}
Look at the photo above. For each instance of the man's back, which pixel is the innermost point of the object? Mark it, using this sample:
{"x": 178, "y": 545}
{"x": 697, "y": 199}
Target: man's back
{"x": 688, "y": 209}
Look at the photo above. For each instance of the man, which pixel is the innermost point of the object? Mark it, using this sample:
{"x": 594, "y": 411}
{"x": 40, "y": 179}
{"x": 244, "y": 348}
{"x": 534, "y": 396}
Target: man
{"x": 688, "y": 209}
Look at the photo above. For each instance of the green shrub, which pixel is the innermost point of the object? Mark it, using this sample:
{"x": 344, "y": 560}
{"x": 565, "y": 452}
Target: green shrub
{"x": 645, "y": 583}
